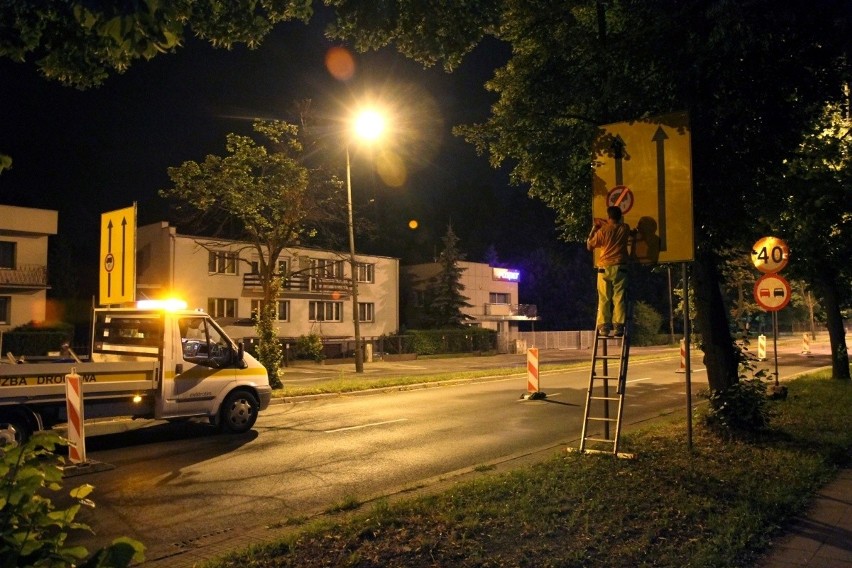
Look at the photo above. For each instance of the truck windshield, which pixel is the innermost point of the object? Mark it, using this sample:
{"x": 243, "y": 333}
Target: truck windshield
{"x": 128, "y": 333}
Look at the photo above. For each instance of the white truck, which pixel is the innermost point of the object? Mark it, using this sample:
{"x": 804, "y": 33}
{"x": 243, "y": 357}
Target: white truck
{"x": 148, "y": 362}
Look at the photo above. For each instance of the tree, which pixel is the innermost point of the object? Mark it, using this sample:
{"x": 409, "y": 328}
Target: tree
{"x": 817, "y": 223}
{"x": 751, "y": 75}
{"x": 444, "y": 293}
{"x": 80, "y": 42}
{"x": 262, "y": 194}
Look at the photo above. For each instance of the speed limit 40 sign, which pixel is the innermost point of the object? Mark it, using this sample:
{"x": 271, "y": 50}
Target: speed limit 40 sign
{"x": 770, "y": 255}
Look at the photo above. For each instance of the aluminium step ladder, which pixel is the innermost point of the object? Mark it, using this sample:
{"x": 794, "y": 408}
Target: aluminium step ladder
{"x": 608, "y": 366}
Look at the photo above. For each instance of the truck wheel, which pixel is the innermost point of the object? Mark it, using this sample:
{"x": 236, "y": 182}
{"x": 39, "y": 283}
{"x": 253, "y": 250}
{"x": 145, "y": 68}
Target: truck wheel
{"x": 239, "y": 412}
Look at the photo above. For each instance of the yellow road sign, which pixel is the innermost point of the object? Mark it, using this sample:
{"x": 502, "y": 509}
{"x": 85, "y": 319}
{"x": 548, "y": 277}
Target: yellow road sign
{"x": 646, "y": 167}
{"x": 118, "y": 256}
{"x": 770, "y": 254}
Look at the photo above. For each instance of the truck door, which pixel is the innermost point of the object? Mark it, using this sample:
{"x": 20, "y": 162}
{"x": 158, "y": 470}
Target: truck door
{"x": 204, "y": 363}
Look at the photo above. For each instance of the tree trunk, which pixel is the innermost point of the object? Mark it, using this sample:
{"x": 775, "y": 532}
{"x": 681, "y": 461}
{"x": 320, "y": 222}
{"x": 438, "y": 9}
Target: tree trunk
{"x": 720, "y": 356}
{"x": 836, "y": 331}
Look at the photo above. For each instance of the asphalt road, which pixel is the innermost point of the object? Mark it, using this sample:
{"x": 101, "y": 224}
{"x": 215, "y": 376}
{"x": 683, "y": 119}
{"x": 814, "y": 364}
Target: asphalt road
{"x": 189, "y": 494}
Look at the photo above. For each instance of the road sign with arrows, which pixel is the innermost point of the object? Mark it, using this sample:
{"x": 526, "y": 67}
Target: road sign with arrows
{"x": 646, "y": 166}
{"x": 118, "y": 256}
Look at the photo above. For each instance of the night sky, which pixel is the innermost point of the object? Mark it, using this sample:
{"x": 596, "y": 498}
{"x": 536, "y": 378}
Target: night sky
{"x": 87, "y": 152}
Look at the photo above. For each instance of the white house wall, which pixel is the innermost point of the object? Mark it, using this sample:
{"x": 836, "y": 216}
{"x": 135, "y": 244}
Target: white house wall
{"x": 29, "y": 229}
{"x": 171, "y": 264}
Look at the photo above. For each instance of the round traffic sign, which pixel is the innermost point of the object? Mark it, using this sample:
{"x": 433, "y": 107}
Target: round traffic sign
{"x": 622, "y": 197}
{"x": 770, "y": 254}
{"x": 109, "y": 262}
{"x": 772, "y": 292}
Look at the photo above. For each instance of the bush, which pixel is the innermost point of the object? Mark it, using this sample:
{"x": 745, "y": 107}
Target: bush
{"x": 646, "y": 325}
{"x": 32, "y": 340}
{"x": 467, "y": 340}
{"x": 743, "y": 407}
{"x": 310, "y": 347}
{"x": 32, "y": 530}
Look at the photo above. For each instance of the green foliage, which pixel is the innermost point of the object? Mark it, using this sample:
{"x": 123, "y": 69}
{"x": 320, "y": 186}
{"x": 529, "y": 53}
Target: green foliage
{"x": 266, "y": 197}
{"x": 34, "y": 339}
{"x": 310, "y": 347}
{"x": 33, "y": 532}
{"x": 646, "y": 324}
{"x": 434, "y": 341}
{"x": 79, "y": 43}
{"x": 742, "y": 408}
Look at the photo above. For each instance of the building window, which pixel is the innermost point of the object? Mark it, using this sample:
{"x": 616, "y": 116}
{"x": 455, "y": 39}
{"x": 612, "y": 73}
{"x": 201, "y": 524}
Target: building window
{"x": 5, "y": 310}
{"x": 365, "y": 272}
{"x": 283, "y": 268}
{"x": 282, "y": 309}
{"x": 366, "y": 311}
{"x": 222, "y": 262}
{"x": 7, "y": 254}
{"x": 499, "y": 298}
{"x": 222, "y": 307}
{"x": 325, "y": 311}
{"x": 327, "y": 268}
{"x": 255, "y": 267}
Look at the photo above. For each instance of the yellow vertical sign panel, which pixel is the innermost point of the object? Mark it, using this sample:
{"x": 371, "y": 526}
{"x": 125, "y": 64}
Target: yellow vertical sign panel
{"x": 645, "y": 167}
{"x": 118, "y": 256}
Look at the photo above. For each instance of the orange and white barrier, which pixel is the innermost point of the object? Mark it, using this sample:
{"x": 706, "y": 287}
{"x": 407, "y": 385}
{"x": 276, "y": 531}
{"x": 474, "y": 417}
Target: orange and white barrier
{"x": 806, "y": 344}
{"x": 761, "y": 347}
{"x": 682, "y": 368}
{"x": 532, "y": 370}
{"x": 74, "y": 409}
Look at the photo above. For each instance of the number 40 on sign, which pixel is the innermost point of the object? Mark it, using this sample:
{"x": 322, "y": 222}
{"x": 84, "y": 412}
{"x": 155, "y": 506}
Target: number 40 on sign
{"x": 770, "y": 255}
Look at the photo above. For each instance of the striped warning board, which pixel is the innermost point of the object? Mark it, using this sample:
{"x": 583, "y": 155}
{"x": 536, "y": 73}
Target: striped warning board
{"x": 532, "y": 369}
{"x": 761, "y": 347}
{"x": 74, "y": 409}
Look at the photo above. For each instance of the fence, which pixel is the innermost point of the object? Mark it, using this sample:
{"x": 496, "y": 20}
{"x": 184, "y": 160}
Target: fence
{"x": 557, "y": 339}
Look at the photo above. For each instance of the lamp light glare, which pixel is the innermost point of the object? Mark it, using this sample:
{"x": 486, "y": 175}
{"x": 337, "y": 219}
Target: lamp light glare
{"x": 369, "y": 125}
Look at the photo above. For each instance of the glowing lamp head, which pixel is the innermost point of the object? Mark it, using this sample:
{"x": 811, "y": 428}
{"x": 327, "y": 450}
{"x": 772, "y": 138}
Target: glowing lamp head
{"x": 369, "y": 125}
{"x": 137, "y": 399}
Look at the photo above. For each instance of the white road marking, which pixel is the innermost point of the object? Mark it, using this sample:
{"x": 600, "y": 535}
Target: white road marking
{"x": 366, "y": 425}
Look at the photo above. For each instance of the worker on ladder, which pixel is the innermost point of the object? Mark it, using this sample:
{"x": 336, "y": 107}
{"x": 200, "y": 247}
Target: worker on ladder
{"x": 612, "y": 236}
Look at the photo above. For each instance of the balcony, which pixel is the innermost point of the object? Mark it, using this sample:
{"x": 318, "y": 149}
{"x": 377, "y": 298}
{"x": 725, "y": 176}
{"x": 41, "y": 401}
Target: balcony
{"x": 25, "y": 276}
{"x": 515, "y": 312}
{"x": 303, "y": 284}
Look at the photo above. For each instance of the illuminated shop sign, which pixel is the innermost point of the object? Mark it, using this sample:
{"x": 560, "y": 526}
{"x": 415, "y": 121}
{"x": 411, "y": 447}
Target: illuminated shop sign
{"x": 506, "y": 274}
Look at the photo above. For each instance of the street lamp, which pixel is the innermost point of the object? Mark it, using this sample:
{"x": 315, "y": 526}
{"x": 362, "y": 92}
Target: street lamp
{"x": 368, "y": 125}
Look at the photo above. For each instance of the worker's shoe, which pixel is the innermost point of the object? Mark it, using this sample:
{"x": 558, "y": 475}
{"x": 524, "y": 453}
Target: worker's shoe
{"x": 619, "y": 331}
{"x": 604, "y": 330}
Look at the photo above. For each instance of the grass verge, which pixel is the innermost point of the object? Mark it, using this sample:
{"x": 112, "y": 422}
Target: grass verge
{"x": 720, "y": 505}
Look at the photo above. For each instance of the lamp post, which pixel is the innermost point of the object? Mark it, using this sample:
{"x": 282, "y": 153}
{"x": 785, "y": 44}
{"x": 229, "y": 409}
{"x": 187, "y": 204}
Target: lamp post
{"x": 368, "y": 125}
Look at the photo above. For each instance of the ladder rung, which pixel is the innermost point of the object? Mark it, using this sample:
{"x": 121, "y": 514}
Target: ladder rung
{"x": 604, "y": 398}
{"x": 599, "y": 419}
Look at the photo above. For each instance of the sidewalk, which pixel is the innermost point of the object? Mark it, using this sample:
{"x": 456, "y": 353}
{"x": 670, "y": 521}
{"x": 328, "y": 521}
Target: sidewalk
{"x": 823, "y": 538}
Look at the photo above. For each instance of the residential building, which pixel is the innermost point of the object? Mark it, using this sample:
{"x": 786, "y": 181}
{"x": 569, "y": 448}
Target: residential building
{"x": 24, "y": 233}
{"x": 222, "y": 277}
{"x": 491, "y": 291}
